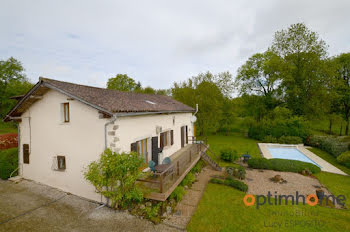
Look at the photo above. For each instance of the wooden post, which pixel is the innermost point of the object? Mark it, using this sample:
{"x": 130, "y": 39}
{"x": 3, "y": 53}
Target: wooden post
{"x": 178, "y": 168}
{"x": 161, "y": 183}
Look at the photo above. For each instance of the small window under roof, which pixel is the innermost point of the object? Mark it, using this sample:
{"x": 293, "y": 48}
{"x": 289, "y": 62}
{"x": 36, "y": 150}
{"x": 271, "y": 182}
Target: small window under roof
{"x": 150, "y": 102}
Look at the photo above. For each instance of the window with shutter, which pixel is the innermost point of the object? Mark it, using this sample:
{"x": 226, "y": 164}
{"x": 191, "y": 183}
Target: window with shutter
{"x": 172, "y": 137}
{"x": 161, "y": 140}
{"x": 26, "y": 153}
{"x": 61, "y": 162}
{"x": 66, "y": 114}
{"x": 186, "y": 135}
{"x": 133, "y": 147}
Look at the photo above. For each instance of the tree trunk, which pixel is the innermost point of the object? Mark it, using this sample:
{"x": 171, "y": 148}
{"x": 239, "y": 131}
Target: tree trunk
{"x": 347, "y": 127}
{"x": 330, "y": 125}
{"x": 341, "y": 129}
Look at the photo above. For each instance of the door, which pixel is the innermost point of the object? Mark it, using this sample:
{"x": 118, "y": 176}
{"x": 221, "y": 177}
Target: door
{"x": 155, "y": 149}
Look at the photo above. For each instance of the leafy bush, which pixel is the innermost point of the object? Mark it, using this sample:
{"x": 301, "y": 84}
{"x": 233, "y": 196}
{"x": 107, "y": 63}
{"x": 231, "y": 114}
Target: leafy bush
{"x": 269, "y": 139}
{"x": 8, "y": 162}
{"x": 282, "y": 165}
{"x": 152, "y": 212}
{"x": 330, "y": 144}
{"x": 232, "y": 183}
{"x": 238, "y": 172}
{"x": 344, "y": 159}
{"x": 290, "y": 140}
{"x": 279, "y": 123}
{"x": 189, "y": 179}
{"x": 228, "y": 155}
{"x": 114, "y": 176}
{"x": 198, "y": 167}
{"x": 236, "y": 184}
{"x": 178, "y": 193}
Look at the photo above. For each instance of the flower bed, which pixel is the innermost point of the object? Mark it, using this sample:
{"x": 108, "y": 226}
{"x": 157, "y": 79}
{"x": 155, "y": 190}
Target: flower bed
{"x": 8, "y": 141}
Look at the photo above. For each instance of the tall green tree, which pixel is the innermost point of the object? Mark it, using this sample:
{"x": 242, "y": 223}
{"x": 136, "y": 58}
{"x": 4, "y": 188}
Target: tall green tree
{"x": 261, "y": 76}
{"x": 123, "y": 82}
{"x": 202, "y": 90}
{"x": 305, "y": 79}
{"x": 11, "y": 70}
{"x": 343, "y": 87}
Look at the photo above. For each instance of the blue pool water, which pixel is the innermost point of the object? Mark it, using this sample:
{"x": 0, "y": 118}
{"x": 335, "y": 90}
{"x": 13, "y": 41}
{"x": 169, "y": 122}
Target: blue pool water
{"x": 289, "y": 153}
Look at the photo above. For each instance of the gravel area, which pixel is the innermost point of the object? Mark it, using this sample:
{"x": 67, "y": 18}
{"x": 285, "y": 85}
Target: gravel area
{"x": 259, "y": 182}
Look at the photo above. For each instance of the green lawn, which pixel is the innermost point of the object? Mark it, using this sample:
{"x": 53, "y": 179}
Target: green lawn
{"x": 7, "y": 128}
{"x": 236, "y": 141}
{"x": 330, "y": 159}
{"x": 222, "y": 208}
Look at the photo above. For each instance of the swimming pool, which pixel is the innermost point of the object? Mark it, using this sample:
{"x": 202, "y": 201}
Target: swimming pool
{"x": 291, "y": 153}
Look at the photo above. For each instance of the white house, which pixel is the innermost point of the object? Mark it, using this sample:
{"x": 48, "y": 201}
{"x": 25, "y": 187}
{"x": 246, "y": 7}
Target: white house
{"x": 63, "y": 127}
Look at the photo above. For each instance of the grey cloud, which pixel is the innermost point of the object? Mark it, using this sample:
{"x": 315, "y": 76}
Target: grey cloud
{"x": 155, "y": 42}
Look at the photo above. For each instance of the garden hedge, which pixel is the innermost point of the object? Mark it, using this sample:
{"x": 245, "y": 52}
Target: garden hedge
{"x": 283, "y": 165}
{"x": 232, "y": 183}
{"x": 330, "y": 144}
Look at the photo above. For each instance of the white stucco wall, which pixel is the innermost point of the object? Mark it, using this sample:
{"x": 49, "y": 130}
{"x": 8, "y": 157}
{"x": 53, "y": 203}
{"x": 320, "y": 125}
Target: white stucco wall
{"x": 132, "y": 129}
{"x": 82, "y": 140}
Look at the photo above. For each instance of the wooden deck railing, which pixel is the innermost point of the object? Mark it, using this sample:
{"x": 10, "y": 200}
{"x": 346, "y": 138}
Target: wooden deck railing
{"x": 162, "y": 184}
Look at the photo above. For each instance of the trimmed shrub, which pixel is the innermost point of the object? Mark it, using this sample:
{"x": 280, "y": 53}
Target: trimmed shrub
{"x": 330, "y": 144}
{"x": 282, "y": 165}
{"x": 236, "y": 184}
{"x": 178, "y": 193}
{"x": 238, "y": 172}
{"x": 232, "y": 183}
{"x": 189, "y": 179}
{"x": 228, "y": 155}
{"x": 290, "y": 140}
{"x": 216, "y": 181}
{"x": 269, "y": 139}
{"x": 8, "y": 162}
{"x": 344, "y": 159}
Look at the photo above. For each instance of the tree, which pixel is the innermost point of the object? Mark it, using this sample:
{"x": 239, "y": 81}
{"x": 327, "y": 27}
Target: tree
{"x": 14, "y": 88}
{"x": 305, "y": 78}
{"x": 261, "y": 76}
{"x": 10, "y": 70}
{"x": 123, "y": 82}
{"x": 343, "y": 86}
{"x": 202, "y": 90}
{"x": 114, "y": 176}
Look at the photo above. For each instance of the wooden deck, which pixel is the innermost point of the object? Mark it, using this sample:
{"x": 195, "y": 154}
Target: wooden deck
{"x": 182, "y": 161}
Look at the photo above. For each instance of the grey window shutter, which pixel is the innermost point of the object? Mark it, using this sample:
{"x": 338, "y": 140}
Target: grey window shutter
{"x": 26, "y": 153}
{"x": 172, "y": 137}
{"x": 161, "y": 140}
{"x": 186, "y": 135}
{"x": 133, "y": 147}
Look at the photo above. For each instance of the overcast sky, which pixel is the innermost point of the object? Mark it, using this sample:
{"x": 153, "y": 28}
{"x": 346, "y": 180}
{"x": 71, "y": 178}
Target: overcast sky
{"x": 155, "y": 42}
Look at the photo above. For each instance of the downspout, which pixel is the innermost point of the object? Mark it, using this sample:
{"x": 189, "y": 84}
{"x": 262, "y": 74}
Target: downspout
{"x": 106, "y": 125}
{"x": 196, "y": 110}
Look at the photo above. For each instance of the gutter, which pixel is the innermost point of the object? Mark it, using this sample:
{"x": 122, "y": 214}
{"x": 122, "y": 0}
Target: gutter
{"x": 106, "y": 125}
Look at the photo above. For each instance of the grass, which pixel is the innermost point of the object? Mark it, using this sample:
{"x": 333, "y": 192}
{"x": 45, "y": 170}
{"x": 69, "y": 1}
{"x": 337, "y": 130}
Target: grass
{"x": 7, "y": 128}
{"x": 330, "y": 159}
{"x": 236, "y": 141}
{"x": 222, "y": 208}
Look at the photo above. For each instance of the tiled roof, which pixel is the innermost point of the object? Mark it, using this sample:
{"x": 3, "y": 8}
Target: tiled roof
{"x": 117, "y": 101}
